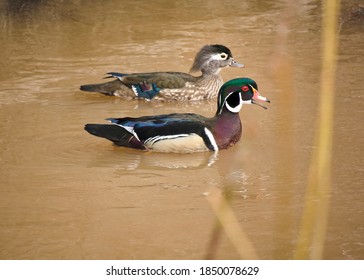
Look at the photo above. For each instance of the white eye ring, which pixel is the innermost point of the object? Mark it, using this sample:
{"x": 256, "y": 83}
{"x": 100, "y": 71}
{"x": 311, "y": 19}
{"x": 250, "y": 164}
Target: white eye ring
{"x": 223, "y": 55}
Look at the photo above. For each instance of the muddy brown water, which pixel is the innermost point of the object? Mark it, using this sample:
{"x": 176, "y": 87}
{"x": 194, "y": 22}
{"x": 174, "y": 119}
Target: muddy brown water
{"x": 65, "y": 194}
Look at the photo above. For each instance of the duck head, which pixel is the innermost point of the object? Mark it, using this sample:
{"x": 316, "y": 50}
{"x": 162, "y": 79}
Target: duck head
{"x": 211, "y": 58}
{"x": 234, "y": 93}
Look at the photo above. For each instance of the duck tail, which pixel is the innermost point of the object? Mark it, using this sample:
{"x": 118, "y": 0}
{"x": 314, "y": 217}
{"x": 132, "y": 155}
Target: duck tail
{"x": 116, "y": 134}
{"x": 111, "y": 132}
{"x": 107, "y": 88}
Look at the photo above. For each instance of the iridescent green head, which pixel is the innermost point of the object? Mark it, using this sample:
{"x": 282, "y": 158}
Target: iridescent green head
{"x": 234, "y": 93}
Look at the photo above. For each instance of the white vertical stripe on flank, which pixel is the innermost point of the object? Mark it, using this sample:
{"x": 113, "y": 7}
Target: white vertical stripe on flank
{"x": 212, "y": 139}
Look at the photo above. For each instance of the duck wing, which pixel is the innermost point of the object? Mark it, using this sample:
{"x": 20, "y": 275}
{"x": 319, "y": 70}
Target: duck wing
{"x": 160, "y": 79}
{"x": 147, "y": 85}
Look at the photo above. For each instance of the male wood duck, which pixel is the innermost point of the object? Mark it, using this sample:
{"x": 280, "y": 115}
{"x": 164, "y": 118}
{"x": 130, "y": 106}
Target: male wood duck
{"x": 172, "y": 86}
{"x": 185, "y": 133}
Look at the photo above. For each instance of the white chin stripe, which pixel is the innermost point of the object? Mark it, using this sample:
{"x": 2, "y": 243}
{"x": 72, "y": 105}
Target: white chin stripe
{"x": 237, "y": 108}
{"x": 234, "y": 109}
{"x": 212, "y": 139}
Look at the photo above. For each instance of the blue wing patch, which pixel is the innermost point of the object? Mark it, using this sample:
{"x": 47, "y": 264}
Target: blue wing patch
{"x": 145, "y": 90}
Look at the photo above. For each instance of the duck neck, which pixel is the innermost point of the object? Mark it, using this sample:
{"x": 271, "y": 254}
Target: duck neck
{"x": 210, "y": 84}
{"x": 211, "y": 72}
{"x": 227, "y": 129}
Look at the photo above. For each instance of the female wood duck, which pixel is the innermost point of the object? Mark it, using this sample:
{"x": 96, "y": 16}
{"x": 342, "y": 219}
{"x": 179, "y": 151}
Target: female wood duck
{"x": 185, "y": 133}
{"x": 173, "y": 86}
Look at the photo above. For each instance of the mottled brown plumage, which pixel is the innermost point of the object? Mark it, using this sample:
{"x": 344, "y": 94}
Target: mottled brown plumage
{"x": 172, "y": 86}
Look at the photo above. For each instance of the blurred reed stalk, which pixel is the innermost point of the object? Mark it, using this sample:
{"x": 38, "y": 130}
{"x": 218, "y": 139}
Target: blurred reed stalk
{"x": 313, "y": 228}
{"x": 230, "y": 224}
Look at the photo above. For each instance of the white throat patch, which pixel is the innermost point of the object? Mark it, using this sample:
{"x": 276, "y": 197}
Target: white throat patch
{"x": 237, "y": 108}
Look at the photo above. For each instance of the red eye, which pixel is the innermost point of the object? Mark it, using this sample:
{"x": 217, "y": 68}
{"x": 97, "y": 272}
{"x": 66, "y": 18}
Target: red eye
{"x": 245, "y": 88}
